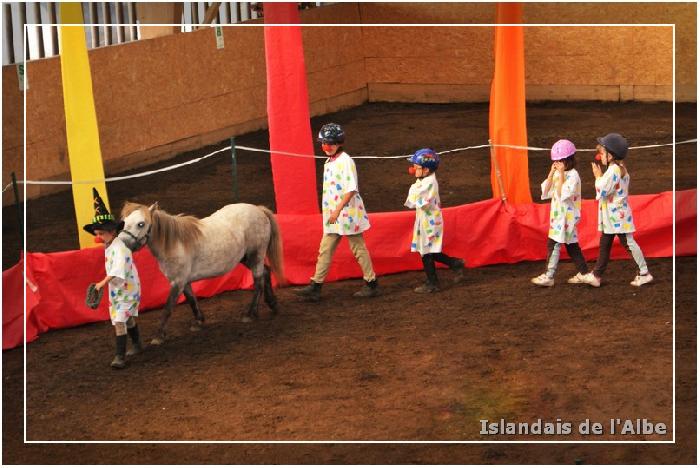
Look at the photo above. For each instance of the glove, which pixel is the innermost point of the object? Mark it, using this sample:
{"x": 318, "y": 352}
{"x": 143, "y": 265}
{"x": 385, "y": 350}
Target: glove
{"x": 93, "y": 296}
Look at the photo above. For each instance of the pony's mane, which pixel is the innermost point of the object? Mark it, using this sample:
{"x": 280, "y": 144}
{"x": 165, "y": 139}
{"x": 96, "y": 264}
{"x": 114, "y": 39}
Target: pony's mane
{"x": 167, "y": 231}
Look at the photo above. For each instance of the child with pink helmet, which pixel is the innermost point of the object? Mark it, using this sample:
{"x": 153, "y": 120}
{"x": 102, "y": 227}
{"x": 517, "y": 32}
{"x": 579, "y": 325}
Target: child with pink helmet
{"x": 563, "y": 187}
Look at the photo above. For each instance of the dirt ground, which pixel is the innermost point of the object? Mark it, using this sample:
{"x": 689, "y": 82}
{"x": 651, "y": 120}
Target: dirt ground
{"x": 396, "y": 367}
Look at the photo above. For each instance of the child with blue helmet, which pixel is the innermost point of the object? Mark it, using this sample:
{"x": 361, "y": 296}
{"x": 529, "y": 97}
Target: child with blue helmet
{"x": 424, "y": 196}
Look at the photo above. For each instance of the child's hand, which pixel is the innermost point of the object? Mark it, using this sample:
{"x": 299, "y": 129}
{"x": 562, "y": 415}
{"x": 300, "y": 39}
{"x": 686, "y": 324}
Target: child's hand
{"x": 334, "y": 216}
{"x": 597, "y": 173}
{"x": 553, "y": 168}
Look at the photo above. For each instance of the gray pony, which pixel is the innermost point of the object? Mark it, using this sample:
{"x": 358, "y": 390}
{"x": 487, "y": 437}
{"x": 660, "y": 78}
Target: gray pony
{"x": 189, "y": 249}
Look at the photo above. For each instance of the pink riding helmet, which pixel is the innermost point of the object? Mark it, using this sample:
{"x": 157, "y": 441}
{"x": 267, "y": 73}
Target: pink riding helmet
{"x": 562, "y": 149}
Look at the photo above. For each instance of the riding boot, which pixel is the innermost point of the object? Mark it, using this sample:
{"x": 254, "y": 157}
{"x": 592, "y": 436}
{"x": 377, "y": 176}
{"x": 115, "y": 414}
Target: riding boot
{"x": 369, "y": 289}
{"x": 458, "y": 268}
{"x": 455, "y": 264}
{"x": 431, "y": 284}
{"x": 119, "y": 361}
{"x": 136, "y": 346}
{"x": 312, "y": 292}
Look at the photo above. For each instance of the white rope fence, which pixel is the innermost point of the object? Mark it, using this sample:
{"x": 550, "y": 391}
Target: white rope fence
{"x": 299, "y": 155}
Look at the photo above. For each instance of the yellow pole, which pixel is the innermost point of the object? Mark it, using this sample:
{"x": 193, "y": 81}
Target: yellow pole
{"x": 82, "y": 135}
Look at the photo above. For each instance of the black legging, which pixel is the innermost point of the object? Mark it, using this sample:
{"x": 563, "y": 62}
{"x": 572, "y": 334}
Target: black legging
{"x": 429, "y": 260}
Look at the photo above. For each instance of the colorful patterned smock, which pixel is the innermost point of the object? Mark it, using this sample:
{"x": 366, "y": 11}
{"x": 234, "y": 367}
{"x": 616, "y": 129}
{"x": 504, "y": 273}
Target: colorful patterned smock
{"x": 427, "y": 230}
{"x": 339, "y": 178}
{"x": 565, "y": 210}
{"x": 125, "y": 288}
{"x": 614, "y": 211}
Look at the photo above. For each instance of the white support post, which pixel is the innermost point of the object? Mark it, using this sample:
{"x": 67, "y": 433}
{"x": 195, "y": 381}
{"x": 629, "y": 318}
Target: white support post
{"x": 223, "y": 13}
{"x": 33, "y": 35}
{"x": 235, "y": 15}
{"x": 245, "y": 11}
{"x": 104, "y": 9}
{"x": 114, "y": 10}
{"x": 131, "y": 9}
{"x": 187, "y": 17}
{"x": 47, "y": 17}
{"x": 201, "y": 11}
{"x": 93, "y": 34}
{"x": 17, "y": 31}
{"x": 6, "y": 34}
{"x": 119, "y": 19}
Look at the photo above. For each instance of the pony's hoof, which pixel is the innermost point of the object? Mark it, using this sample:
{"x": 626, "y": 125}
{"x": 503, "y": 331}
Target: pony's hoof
{"x": 196, "y": 327}
{"x": 246, "y": 319}
{"x": 157, "y": 341}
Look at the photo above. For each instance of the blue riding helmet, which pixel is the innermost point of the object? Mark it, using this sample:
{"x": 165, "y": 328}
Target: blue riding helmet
{"x": 427, "y": 158}
{"x": 331, "y": 134}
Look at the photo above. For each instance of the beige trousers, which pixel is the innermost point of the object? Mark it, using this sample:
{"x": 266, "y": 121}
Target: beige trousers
{"x": 325, "y": 255}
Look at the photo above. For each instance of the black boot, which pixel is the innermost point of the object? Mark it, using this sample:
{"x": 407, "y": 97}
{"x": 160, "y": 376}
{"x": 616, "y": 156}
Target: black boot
{"x": 458, "y": 268}
{"x": 369, "y": 289}
{"x": 431, "y": 284}
{"x": 455, "y": 264}
{"x": 312, "y": 292}
{"x": 119, "y": 361}
{"x": 136, "y": 347}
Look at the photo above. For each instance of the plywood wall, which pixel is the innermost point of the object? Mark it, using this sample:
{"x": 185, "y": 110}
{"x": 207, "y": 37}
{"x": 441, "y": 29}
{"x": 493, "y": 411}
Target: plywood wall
{"x": 452, "y": 64}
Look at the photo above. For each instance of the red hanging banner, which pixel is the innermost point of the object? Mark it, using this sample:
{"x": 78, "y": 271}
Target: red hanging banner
{"x": 507, "y": 124}
{"x": 288, "y": 112}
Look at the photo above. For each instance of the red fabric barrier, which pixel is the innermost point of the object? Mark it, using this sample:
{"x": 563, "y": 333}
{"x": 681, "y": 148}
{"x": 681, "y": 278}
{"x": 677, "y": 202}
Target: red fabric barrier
{"x": 483, "y": 233}
{"x": 288, "y": 112}
{"x": 12, "y": 303}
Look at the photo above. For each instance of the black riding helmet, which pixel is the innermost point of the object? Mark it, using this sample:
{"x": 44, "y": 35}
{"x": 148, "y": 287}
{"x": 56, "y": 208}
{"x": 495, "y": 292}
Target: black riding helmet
{"x": 616, "y": 144}
{"x": 331, "y": 134}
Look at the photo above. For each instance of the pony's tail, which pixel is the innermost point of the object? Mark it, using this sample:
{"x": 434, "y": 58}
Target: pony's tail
{"x": 275, "y": 254}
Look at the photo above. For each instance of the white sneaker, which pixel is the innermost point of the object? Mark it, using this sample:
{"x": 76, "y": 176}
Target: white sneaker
{"x": 543, "y": 280}
{"x": 642, "y": 279}
{"x": 576, "y": 279}
{"x": 591, "y": 280}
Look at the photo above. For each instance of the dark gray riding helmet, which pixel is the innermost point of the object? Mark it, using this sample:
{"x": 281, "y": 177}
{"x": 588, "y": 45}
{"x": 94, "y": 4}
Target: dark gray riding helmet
{"x": 615, "y": 144}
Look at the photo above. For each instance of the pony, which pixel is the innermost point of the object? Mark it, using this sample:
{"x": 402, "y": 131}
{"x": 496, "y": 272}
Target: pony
{"x": 189, "y": 249}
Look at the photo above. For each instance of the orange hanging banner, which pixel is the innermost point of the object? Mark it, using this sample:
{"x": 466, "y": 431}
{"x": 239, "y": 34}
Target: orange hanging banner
{"x": 507, "y": 124}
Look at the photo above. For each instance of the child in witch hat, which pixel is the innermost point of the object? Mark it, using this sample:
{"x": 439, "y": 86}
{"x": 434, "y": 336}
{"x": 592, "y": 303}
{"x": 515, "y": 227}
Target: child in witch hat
{"x": 122, "y": 278}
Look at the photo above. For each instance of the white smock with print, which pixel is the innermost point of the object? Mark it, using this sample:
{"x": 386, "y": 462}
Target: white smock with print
{"x": 125, "y": 288}
{"x": 427, "y": 229}
{"x": 339, "y": 178}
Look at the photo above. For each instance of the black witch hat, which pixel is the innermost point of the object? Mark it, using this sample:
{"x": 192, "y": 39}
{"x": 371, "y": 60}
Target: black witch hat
{"x": 103, "y": 219}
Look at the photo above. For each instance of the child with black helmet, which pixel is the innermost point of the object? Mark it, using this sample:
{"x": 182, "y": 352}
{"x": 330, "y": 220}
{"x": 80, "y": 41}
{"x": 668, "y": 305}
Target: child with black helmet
{"x": 424, "y": 196}
{"x": 344, "y": 215}
{"x": 614, "y": 210}
{"x": 122, "y": 278}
